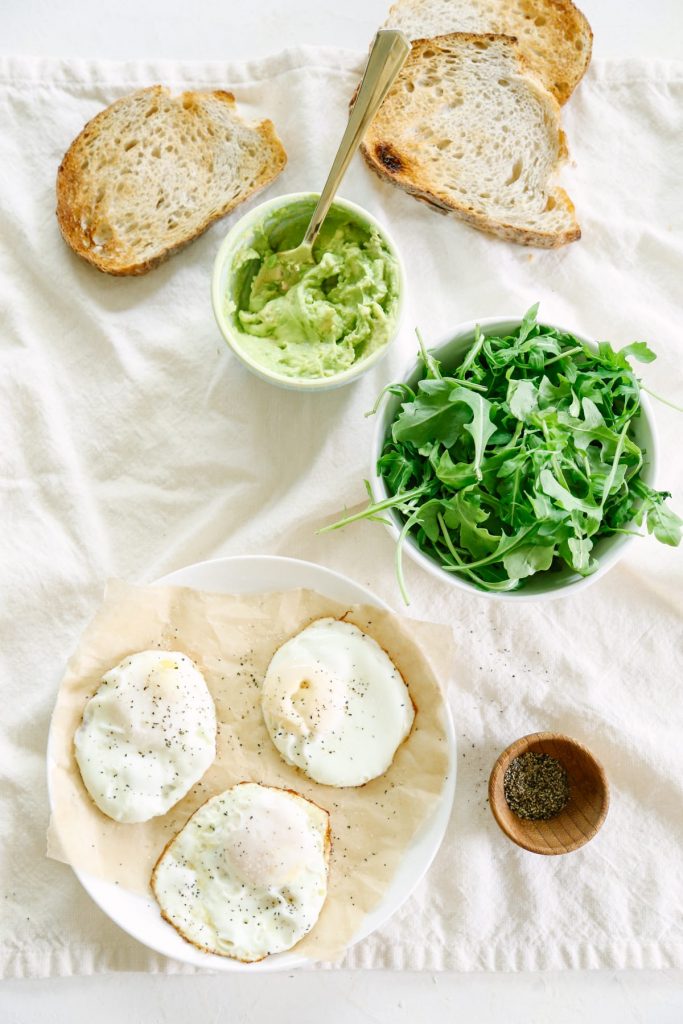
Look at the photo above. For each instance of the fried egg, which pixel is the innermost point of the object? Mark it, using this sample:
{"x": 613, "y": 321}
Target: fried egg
{"x": 335, "y": 705}
{"x": 147, "y": 735}
{"x": 247, "y": 875}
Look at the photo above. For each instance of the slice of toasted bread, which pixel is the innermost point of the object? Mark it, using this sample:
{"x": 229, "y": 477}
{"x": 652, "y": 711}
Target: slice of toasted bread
{"x": 553, "y": 35}
{"x": 153, "y": 171}
{"x": 469, "y": 129}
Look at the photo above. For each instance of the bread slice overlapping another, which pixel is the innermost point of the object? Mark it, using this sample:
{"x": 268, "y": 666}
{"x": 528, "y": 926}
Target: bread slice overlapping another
{"x": 153, "y": 171}
{"x": 470, "y": 129}
{"x": 553, "y": 35}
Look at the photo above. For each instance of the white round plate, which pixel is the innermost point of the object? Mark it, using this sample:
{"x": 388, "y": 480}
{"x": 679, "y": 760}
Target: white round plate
{"x": 138, "y": 915}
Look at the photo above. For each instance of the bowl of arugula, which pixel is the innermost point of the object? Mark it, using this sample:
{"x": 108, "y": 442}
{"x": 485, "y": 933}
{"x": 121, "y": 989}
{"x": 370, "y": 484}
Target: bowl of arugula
{"x": 517, "y": 460}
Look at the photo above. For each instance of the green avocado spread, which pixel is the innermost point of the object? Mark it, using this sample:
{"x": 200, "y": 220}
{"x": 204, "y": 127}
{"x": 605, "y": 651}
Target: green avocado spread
{"x": 313, "y": 318}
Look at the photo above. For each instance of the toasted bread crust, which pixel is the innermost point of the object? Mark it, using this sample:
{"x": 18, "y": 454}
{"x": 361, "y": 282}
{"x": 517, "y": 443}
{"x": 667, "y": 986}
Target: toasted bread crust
{"x": 508, "y": 232}
{"x": 75, "y": 202}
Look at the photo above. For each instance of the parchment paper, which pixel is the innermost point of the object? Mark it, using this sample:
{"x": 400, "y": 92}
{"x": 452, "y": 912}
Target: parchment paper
{"x": 232, "y": 639}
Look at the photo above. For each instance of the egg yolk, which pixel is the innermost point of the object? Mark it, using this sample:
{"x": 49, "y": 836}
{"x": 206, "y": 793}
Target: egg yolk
{"x": 269, "y": 850}
{"x": 307, "y": 700}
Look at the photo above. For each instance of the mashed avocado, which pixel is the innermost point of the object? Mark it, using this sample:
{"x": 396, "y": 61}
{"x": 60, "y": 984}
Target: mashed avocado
{"x": 304, "y": 319}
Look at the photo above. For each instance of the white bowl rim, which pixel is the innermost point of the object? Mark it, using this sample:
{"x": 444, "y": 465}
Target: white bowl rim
{"x": 256, "y": 214}
{"x": 379, "y": 492}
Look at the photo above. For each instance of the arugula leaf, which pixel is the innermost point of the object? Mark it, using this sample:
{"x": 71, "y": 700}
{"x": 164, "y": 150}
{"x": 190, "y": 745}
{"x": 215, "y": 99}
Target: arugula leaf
{"x": 431, "y": 364}
{"x": 522, "y": 398}
{"x": 402, "y": 390}
{"x": 505, "y": 544}
{"x": 527, "y": 559}
{"x": 427, "y": 516}
{"x": 639, "y": 350}
{"x": 528, "y": 323}
{"x": 592, "y": 417}
{"x": 580, "y": 548}
{"x": 481, "y": 426}
{"x": 397, "y": 469}
{"x": 454, "y": 474}
{"x": 551, "y": 395}
{"x": 665, "y": 524}
{"x": 564, "y": 498}
{"x": 609, "y": 481}
{"x": 431, "y": 416}
{"x": 464, "y": 512}
{"x": 660, "y": 519}
{"x": 472, "y": 354}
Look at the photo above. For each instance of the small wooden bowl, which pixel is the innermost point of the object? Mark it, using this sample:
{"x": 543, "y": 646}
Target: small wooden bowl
{"x": 583, "y": 816}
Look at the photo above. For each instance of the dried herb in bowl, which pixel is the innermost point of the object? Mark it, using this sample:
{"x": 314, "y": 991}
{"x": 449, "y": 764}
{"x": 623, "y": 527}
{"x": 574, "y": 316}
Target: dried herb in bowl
{"x": 536, "y": 786}
{"x": 520, "y": 459}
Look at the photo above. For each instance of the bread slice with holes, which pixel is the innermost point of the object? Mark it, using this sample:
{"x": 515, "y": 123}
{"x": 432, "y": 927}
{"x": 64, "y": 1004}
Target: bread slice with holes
{"x": 553, "y": 35}
{"x": 470, "y": 130}
{"x": 151, "y": 172}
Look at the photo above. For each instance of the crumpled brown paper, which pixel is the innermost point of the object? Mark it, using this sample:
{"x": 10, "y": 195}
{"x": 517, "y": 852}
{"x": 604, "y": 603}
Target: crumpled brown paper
{"x": 231, "y": 639}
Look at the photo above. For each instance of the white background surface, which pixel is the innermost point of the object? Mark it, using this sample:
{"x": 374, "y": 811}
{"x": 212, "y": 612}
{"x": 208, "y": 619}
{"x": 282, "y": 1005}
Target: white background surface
{"x": 229, "y": 29}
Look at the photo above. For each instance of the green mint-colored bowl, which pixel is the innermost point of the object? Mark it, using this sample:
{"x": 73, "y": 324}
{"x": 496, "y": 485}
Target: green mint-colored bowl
{"x": 282, "y": 221}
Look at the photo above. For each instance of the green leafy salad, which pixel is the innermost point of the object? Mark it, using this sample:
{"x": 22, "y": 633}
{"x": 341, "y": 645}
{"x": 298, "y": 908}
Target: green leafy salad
{"x": 520, "y": 459}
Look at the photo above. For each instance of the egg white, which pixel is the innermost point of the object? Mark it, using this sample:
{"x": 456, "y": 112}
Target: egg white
{"x": 247, "y": 875}
{"x": 147, "y": 735}
{"x": 335, "y": 705}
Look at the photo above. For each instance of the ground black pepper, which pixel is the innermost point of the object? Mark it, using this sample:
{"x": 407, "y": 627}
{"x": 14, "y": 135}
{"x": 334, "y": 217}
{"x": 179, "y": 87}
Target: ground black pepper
{"x": 536, "y": 786}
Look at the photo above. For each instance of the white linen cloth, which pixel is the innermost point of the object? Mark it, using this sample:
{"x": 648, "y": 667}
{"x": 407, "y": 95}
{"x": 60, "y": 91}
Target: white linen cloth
{"x": 132, "y": 443}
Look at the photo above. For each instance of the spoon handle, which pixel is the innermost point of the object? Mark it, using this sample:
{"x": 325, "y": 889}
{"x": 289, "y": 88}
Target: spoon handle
{"x": 387, "y": 56}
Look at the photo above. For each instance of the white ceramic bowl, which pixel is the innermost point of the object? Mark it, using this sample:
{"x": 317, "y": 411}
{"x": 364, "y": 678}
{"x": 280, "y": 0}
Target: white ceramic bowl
{"x": 239, "y": 236}
{"x": 542, "y": 586}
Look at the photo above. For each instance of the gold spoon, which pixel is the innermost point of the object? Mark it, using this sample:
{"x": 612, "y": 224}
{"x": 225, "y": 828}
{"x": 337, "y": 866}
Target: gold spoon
{"x": 387, "y": 56}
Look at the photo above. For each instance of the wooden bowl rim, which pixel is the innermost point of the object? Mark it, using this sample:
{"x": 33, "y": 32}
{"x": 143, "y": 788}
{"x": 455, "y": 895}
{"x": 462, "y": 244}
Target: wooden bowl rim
{"x": 510, "y": 753}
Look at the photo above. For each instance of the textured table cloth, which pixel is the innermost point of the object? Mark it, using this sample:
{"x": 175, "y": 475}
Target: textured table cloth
{"x": 132, "y": 443}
